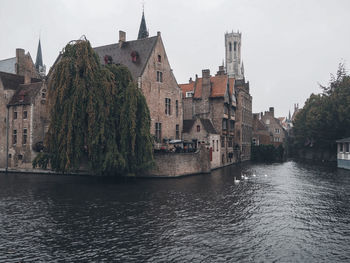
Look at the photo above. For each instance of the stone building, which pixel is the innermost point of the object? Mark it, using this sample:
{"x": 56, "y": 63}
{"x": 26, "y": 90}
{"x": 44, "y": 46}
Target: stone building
{"x": 148, "y": 63}
{"x": 28, "y": 123}
{"x": 234, "y": 64}
{"x": 202, "y": 132}
{"x": 213, "y": 98}
{"x": 244, "y": 119}
{"x": 274, "y": 126}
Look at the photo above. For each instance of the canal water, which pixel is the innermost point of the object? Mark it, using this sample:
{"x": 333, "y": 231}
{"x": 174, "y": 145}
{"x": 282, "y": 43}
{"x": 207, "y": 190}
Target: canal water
{"x": 297, "y": 213}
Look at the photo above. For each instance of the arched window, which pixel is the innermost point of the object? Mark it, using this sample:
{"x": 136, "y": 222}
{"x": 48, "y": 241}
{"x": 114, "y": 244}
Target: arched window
{"x": 230, "y": 46}
{"x": 235, "y": 46}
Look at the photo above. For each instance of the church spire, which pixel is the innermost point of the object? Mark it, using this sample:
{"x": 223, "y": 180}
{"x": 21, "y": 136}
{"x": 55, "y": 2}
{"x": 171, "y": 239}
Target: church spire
{"x": 40, "y": 67}
{"x": 143, "y": 32}
{"x": 39, "y": 57}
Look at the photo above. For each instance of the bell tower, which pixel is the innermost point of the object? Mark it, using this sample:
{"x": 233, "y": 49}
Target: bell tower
{"x": 233, "y": 55}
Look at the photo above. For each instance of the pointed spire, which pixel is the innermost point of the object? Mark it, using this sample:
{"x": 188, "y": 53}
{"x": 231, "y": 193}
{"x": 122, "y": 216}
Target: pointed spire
{"x": 289, "y": 118}
{"x": 143, "y": 32}
{"x": 39, "y": 58}
{"x": 242, "y": 69}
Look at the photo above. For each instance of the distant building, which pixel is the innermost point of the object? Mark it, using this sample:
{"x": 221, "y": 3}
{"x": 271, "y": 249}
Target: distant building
{"x": 148, "y": 63}
{"x": 234, "y": 65}
{"x": 261, "y": 134}
{"x": 274, "y": 126}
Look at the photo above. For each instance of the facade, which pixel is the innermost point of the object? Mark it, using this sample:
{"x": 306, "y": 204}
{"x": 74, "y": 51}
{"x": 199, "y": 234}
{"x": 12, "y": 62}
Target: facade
{"x": 213, "y": 98}
{"x": 274, "y": 126}
{"x": 244, "y": 119}
{"x": 148, "y": 63}
{"x": 28, "y": 124}
{"x": 202, "y": 132}
{"x": 343, "y": 153}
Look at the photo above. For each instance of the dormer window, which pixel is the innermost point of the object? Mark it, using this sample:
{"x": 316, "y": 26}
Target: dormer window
{"x": 134, "y": 56}
{"x": 189, "y": 94}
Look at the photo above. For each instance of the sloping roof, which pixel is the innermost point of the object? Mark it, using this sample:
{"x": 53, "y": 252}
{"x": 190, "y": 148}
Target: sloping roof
{"x": 198, "y": 88}
{"x": 218, "y": 86}
{"x": 208, "y": 126}
{"x": 186, "y": 88}
{"x": 344, "y": 140}
{"x": 187, "y": 125}
{"x": 121, "y": 54}
{"x": 25, "y": 93}
{"x": 8, "y": 65}
{"x": 12, "y": 81}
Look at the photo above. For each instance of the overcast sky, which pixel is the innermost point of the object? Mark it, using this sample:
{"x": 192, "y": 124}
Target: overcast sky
{"x": 288, "y": 47}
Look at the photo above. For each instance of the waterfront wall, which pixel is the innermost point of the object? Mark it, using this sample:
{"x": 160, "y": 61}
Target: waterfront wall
{"x": 317, "y": 155}
{"x": 179, "y": 164}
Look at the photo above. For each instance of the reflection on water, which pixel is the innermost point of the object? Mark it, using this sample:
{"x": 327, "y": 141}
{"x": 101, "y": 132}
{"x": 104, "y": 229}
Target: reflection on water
{"x": 298, "y": 213}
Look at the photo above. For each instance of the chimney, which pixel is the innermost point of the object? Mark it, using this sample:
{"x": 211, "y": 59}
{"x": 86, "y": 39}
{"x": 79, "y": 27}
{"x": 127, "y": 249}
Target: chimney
{"x": 190, "y": 81}
{"x": 122, "y": 37}
{"x": 158, "y": 33}
{"x": 272, "y": 111}
{"x": 221, "y": 71}
{"x": 27, "y": 77}
{"x": 19, "y": 53}
{"x": 205, "y": 73}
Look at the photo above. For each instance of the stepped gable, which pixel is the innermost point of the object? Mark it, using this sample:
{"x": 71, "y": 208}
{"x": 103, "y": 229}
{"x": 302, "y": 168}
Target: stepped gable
{"x": 125, "y": 52}
{"x": 25, "y": 93}
{"x": 12, "y": 81}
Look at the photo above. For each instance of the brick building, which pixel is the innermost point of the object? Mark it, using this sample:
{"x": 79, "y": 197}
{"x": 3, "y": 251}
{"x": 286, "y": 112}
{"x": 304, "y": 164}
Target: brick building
{"x": 28, "y": 123}
{"x": 244, "y": 119}
{"x": 213, "y": 98}
{"x": 274, "y": 126}
{"x": 148, "y": 63}
{"x": 261, "y": 134}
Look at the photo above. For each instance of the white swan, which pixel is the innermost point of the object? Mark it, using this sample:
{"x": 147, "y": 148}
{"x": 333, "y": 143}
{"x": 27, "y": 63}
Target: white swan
{"x": 254, "y": 175}
{"x": 265, "y": 175}
{"x": 235, "y": 180}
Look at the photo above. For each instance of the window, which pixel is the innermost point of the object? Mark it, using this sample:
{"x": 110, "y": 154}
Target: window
{"x": 254, "y": 141}
{"x": 224, "y": 124}
{"x": 226, "y": 110}
{"x": 230, "y": 142}
{"x": 189, "y": 94}
{"x": 43, "y": 95}
{"x": 10, "y": 155}
{"x": 277, "y": 130}
{"x": 267, "y": 121}
{"x": 15, "y": 115}
{"x": 159, "y": 58}
{"x": 232, "y": 125}
{"x": 222, "y": 141}
{"x": 235, "y": 46}
{"x": 177, "y": 131}
{"x": 213, "y": 145}
{"x": 20, "y": 157}
{"x": 25, "y": 114}
{"x": 14, "y": 137}
{"x": 25, "y": 136}
{"x": 347, "y": 147}
{"x": 217, "y": 145}
{"x": 230, "y": 46}
{"x": 159, "y": 76}
{"x": 158, "y": 132}
{"x": 177, "y": 108}
{"x": 276, "y": 139}
{"x": 341, "y": 147}
{"x": 198, "y": 128}
{"x": 167, "y": 106}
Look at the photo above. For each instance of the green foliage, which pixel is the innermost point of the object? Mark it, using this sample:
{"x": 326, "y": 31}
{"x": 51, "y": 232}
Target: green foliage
{"x": 98, "y": 116}
{"x": 266, "y": 153}
{"x": 325, "y": 117}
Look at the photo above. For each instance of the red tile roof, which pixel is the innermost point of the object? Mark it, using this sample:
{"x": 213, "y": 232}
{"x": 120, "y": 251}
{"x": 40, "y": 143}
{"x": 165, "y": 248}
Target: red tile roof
{"x": 186, "y": 88}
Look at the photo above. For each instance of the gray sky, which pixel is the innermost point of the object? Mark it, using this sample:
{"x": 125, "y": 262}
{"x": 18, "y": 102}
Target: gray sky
{"x": 288, "y": 47}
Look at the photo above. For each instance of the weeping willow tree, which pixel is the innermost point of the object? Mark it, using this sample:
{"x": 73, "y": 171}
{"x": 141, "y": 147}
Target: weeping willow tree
{"x": 98, "y": 117}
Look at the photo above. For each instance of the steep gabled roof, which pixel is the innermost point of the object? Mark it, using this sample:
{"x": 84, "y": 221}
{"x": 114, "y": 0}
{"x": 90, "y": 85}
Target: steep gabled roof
{"x": 25, "y": 93}
{"x": 12, "y": 81}
{"x": 123, "y": 54}
{"x": 218, "y": 86}
{"x": 198, "y": 88}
